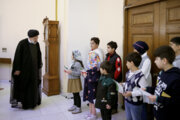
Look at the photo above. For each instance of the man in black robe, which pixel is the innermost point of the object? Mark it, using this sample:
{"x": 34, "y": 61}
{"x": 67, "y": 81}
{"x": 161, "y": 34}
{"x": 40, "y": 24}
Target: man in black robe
{"x": 26, "y": 73}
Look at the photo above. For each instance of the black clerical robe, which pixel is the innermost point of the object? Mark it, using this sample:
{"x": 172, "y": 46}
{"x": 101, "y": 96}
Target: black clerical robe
{"x": 26, "y": 87}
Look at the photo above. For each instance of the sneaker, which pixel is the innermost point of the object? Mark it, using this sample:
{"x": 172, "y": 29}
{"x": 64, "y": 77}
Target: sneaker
{"x": 92, "y": 117}
{"x": 77, "y": 110}
{"x": 87, "y": 115}
{"x": 72, "y": 108}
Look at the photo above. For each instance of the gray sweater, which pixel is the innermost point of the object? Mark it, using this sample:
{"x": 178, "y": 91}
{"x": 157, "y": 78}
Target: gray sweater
{"x": 76, "y": 70}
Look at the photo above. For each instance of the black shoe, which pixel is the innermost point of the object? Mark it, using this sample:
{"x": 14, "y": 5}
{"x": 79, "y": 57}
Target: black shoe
{"x": 114, "y": 111}
{"x": 14, "y": 106}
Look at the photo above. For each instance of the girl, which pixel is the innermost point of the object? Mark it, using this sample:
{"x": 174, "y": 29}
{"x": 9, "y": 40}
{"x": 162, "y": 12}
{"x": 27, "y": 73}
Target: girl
{"x": 74, "y": 81}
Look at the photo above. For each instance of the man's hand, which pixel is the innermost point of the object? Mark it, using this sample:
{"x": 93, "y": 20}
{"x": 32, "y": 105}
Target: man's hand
{"x": 153, "y": 98}
{"x": 108, "y": 107}
{"x": 17, "y": 72}
{"x": 127, "y": 94}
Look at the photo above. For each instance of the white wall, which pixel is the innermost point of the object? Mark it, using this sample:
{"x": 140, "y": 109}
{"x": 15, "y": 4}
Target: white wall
{"x": 110, "y": 23}
{"x": 16, "y": 18}
{"x": 80, "y": 24}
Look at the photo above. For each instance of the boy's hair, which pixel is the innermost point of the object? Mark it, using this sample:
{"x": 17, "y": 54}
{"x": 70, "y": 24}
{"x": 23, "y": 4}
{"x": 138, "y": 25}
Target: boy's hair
{"x": 165, "y": 52}
{"x": 134, "y": 57}
{"x": 113, "y": 44}
{"x": 107, "y": 66}
{"x": 176, "y": 40}
{"x": 96, "y": 40}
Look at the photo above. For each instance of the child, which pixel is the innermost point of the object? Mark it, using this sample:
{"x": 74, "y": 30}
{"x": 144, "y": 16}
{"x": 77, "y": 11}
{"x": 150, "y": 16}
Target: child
{"x": 167, "y": 92}
{"x": 106, "y": 91}
{"x": 135, "y": 80}
{"x": 95, "y": 57}
{"x": 116, "y": 72}
{"x": 175, "y": 44}
{"x": 141, "y": 47}
{"x": 74, "y": 82}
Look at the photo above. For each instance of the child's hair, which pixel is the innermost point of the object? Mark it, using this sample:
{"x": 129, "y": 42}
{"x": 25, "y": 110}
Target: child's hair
{"x": 96, "y": 40}
{"x": 165, "y": 52}
{"x": 80, "y": 62}
{"x": 134, "y": 57}
{"x": 176, "y": 40}
{"x": 113, "y": 44}
{"x": 107, "y": 66}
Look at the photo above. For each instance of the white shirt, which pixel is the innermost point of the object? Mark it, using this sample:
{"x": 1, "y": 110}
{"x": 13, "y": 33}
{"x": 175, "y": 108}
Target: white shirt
{"x": 176, "y": 62}
{"x": 146, "y": 69}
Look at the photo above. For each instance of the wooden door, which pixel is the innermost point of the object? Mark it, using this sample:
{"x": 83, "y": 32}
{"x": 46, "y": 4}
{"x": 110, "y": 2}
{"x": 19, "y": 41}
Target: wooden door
{"x": 155, "y": 23}
{"x": 169, "y": 21}
{"x": 143, "y": 24}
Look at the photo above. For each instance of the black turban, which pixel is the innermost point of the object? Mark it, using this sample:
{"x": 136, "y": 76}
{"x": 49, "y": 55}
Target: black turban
{"x": 33, "y": 33}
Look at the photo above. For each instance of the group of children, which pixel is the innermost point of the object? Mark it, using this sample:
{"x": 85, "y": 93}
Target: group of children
{"x": 100, "y": 88}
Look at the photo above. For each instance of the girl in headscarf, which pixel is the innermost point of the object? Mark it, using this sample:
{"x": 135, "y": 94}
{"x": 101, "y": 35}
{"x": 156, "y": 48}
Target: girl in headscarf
{"x": 74, "y": 81}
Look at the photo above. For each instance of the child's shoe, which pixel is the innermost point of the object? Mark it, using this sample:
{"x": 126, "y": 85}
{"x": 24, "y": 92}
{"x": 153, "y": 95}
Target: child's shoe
{"x": 77, "y": 110}
{"x": 92, "y": 117}
{"x": 72, "y": 108}
{"x": 87, "y": 115}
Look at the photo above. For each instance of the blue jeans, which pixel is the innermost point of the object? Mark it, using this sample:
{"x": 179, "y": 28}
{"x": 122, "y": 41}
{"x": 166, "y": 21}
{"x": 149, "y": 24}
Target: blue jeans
{"x": 133, "y": 112}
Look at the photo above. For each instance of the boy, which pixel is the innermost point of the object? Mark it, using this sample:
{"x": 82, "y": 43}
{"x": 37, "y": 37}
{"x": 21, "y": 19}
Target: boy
{"x": 105, "y": 91}
{"x": 135, "y": 80}
{"x": 167, "y": 92}
{"x": 116, "y": 72}
{"x": 175, "y": 45}
{"x": 95, "y": 57}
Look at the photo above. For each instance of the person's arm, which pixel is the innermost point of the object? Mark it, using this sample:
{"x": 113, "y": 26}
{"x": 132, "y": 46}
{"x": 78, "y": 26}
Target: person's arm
{"x": 150, "y": 89}
{"x": 17, "y": 60}
{"x": 146, "y": 68}
{"x": 111, "y": 94}
{"x": 118, "y": 69}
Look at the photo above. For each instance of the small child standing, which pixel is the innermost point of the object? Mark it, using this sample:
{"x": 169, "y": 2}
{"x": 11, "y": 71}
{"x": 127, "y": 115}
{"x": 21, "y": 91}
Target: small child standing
{"x": 135, "y": 80}
{"x": 74, "y": 81}
{"x": 175, "y": 44}
{"x": 167, "y": 91}
{"x": 106, "y": 91}
{"x": 116, "y": 72}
